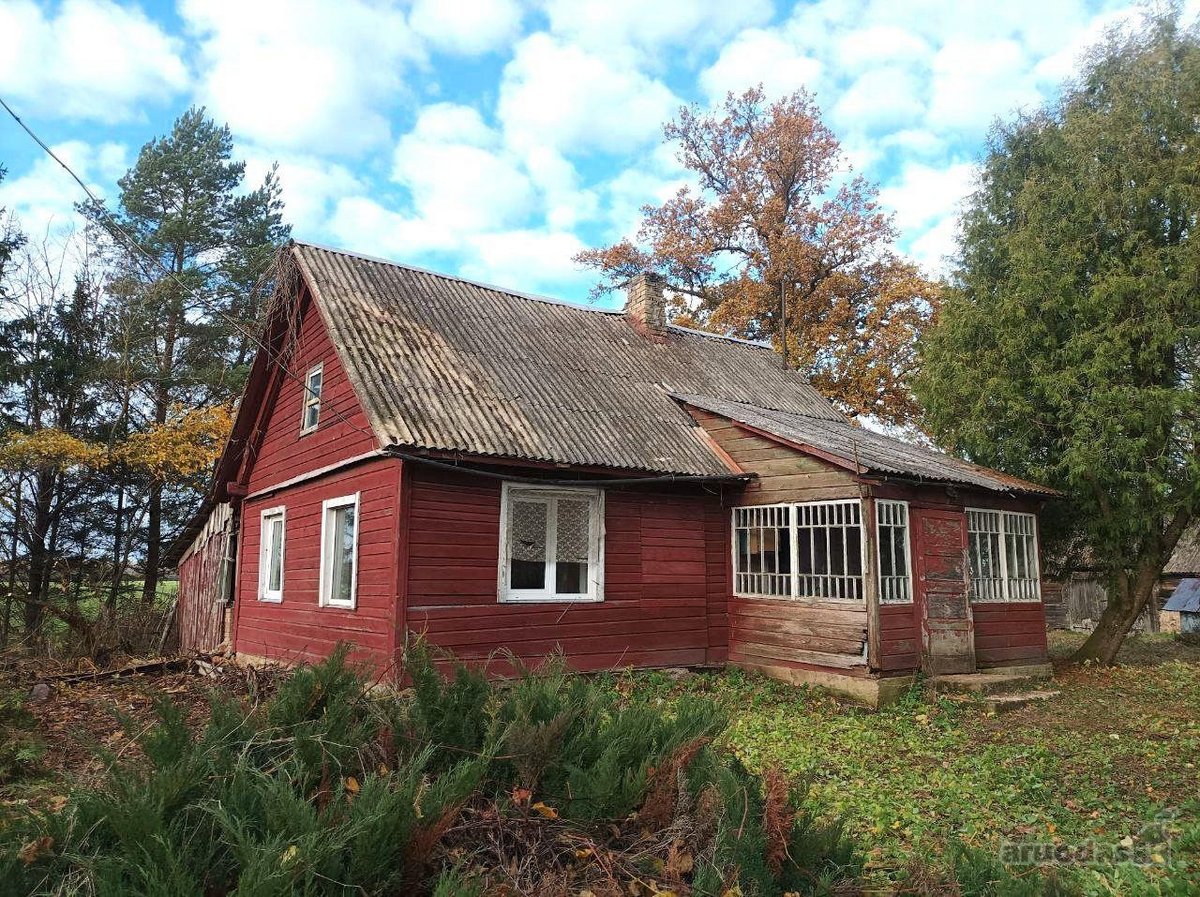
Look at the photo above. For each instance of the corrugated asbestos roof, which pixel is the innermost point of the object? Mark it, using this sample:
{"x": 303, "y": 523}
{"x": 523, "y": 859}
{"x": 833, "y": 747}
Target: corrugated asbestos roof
{"x": 1186, "y": 557}
{"x": 447, "y": 364}
{"x": 1186, "y": 597}
{"x": 874, "y": 452}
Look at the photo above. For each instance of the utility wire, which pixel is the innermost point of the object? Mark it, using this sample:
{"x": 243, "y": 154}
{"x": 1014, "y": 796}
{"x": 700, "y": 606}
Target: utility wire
{"x": 253, "y": 337}
{"x": 275, "y": 357}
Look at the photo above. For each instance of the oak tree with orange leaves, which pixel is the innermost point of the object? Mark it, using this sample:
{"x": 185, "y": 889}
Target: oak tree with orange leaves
{"x": 776, "y": 208}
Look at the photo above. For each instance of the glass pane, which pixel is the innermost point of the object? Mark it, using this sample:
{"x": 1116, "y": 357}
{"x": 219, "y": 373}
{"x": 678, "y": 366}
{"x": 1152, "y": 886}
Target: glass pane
{"x": 854, "y": 551}
{"x": 314, "y": 385}
{"x": 804, "y": 550}
{"x": 570, "y": 578}
{"x": 311, "y": 414}
{"x": 527, "y": 544}
{"x": 574, "y": 529}
{"x": 899, "y": 549}
{"x": 342, "y": 585}
{"x": 785, "y": 550}
{"x": 275, "y": 568}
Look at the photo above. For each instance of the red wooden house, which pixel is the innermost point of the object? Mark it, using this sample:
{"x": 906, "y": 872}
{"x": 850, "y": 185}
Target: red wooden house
{"x": 420, "y": 454}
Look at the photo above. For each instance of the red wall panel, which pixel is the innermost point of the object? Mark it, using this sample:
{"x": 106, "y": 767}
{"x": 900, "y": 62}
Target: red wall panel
{"x": 664, "y": 569}
{"x": 298, "y": 629}
{"x": 342, "y": 432}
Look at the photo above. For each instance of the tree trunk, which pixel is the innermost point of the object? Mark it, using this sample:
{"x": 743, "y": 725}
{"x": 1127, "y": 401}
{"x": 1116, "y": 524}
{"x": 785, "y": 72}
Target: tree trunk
{"x": 38, "y": 578}
{"x": 153, "y": 549}
{"x": 1127, "y": 598}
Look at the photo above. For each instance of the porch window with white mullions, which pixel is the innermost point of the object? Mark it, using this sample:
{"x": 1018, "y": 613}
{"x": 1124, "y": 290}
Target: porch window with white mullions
{"x": 763, "y": 546}
{"x": 829, "y": 541}
{"x": 1003, "y": 553}
{"x": 895, "y": 565}
{"x": 551, "y": 544}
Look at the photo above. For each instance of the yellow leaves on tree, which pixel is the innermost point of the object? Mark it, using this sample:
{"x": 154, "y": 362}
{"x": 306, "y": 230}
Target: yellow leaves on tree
{"x": 48, "y": 448}
{"x": 776, "y": 212}
{"x": 187, "y": 444}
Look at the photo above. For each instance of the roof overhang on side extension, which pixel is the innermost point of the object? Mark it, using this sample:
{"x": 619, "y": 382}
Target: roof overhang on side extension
{"x": 864, "y": 452}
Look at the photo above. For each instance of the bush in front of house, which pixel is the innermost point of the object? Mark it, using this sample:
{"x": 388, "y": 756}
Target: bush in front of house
{"x": 549, "y": 784}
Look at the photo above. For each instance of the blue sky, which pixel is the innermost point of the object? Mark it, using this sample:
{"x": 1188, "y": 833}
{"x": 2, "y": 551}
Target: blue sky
{"x": 496, "y": 138}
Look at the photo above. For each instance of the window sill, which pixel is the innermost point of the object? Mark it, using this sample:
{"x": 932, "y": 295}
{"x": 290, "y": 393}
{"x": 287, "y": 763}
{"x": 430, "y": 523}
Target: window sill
{"x": 805, "y": 600}
{"x": 270, "y": 600}
{"x": 339, "y": 607}
{"x": 550, "y": 599}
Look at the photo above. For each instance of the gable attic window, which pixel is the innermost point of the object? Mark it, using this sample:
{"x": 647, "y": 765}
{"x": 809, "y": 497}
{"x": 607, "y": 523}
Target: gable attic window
{"x": 311, "y": 412}
{"x": 814, "y": 551}
{"x": 1004, "y": 560}
{"x": 551, "y": 544}
{"x": 270, "y": 555}
{"x": 339, "y": 552}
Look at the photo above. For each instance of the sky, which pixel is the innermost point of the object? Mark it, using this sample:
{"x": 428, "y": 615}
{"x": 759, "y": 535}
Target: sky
{"x": 495, "y": 139}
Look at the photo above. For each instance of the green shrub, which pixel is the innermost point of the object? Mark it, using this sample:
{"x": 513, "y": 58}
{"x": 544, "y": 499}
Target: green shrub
{"x": 20, "y": 749}
{"x": 328, "y": 789}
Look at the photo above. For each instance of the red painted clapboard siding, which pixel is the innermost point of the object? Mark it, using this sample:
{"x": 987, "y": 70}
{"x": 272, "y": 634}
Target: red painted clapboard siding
{"x": 900, "y": 641}
{"x": 298, "y": 629}
{"x": 1009, "y": 633}
{"x": 659, "y": 579}
{"x": 342, "y": 431}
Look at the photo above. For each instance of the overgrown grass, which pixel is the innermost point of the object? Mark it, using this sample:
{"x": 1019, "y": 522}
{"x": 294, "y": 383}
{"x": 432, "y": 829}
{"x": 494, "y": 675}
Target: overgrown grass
{"x": 1118, "y": 749}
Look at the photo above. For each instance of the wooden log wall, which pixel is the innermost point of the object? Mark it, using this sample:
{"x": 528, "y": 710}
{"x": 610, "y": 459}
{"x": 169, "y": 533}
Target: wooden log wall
{"x": 201, "y": 601}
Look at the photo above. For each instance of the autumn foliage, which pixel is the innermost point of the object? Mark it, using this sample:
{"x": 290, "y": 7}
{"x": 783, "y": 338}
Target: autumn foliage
{"x": 186, "y": 445}
{"x": 775, "y": 208}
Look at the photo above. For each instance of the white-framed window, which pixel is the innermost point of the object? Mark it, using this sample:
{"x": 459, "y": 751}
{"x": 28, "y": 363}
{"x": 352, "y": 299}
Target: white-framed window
{"x": 551, "y": 544}
{"x": 895, "y": 556}
{"x": 270, "y": 554}
{"x": 762, "y": 545}
{"x": 814, "y": 551}
{"x": 1002, "y": 546}
{"x": 310, "y": 414}
{"x": 339, "y": 552}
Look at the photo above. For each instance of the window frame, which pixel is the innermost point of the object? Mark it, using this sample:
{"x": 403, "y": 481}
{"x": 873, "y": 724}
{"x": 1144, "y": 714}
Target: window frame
{"x": 510, "y": 492}
{"x": 1006, "y": 582}
{"x": 309, "y": 400}
{"x": 265, "y": 594}
{"x": 908, "y": 552}
{"x": 325, "y": 584}
{"x": 793, "y": 536}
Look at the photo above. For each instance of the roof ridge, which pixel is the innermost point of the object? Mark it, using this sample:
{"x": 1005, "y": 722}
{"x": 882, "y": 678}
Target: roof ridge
{"x": 756, "y": 343}
{"x": 378, "y": 260}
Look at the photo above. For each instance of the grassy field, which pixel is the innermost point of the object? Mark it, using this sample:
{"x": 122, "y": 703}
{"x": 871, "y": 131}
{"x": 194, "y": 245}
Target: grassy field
{"x": 1115, "y": 750}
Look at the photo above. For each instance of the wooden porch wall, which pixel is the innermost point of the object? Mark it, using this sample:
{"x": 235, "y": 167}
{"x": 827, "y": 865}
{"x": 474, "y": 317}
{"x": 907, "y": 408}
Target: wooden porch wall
{"x": 201, "y": 601}
{"x": 767, "y": 632}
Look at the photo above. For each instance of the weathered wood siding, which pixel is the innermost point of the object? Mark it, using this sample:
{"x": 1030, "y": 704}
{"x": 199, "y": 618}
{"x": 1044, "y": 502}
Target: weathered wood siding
{"x": 766, "y": 632}
{"x": 784, "y": 474}
{"x": 342, "y": 432}
{"x": 1008, "y": 633}
{"x": 900, "y": 641}
{"x": 201, "y": 607}
{"x": 297, "y": 629}
{"x": 664, "y": 575}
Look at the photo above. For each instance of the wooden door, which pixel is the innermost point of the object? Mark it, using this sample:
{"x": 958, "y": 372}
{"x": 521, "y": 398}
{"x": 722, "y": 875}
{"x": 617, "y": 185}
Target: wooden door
{"x": 941, "y": 595}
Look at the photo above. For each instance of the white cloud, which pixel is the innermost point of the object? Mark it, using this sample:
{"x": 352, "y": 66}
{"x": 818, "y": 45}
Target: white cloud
{"x": 313, "y": 76}
{"x": 532, "y": 260}
{"x": 877, "y": 44}
{"x": 976, "y": 81}
{"x": 927, "y": 201}
{"x": 459, "y": 176}
{"x": 879, "y": 99}
{"x": 756, "y": 56}
{"x": 467, "y": 26}
{"x": 555, "y": 94}
{"x": 43, "y": 198}
{"x": 651, "y": 26}
{"x": 311, "y": 186}
{"x": 89, "y": 59}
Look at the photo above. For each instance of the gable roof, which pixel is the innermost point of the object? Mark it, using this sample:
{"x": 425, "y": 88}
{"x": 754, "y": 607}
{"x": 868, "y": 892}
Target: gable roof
{"x": 447, "y": 364}
{"x": 865, "y": 450}
{"x": 1185, "y": 560}
{"x": 1186, "y": 597}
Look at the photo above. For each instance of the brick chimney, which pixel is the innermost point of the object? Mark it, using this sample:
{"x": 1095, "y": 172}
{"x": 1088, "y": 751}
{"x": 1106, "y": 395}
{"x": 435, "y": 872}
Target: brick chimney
{"x": 645, "y": 305}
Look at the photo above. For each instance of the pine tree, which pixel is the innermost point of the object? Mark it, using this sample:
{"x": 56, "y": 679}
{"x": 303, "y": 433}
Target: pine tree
{"x": 182, "y": 204}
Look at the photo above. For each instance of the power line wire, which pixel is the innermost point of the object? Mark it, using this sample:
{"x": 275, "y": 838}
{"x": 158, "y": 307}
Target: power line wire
{"x": 200, "y": 300}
